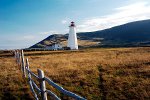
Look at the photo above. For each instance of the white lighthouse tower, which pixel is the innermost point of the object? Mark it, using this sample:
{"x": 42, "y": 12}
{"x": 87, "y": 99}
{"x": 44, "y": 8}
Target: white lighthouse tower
{"x": 72, "y": 38}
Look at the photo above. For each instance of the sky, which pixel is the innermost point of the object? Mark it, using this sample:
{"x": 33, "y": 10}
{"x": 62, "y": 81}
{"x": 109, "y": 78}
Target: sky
{"x": 26, "y": 22}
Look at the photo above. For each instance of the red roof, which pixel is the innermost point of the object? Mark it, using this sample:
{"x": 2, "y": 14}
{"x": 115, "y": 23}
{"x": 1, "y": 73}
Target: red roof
{"x": 72, "y": 24}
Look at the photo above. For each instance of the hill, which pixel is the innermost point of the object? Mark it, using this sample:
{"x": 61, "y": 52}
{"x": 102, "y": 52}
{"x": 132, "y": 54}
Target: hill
{"x": 130, "y": 34}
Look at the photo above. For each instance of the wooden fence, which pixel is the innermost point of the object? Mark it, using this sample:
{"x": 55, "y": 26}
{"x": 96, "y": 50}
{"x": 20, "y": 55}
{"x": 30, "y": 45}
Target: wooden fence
{"x": 24, "y": 66}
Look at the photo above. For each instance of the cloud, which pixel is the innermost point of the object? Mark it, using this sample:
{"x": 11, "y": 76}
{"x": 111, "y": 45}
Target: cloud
{"x": 49, "y": 32}
{"x": 64, "y": 21}
{"x": 125, "y": 14}
{"x": 28, "y": 37}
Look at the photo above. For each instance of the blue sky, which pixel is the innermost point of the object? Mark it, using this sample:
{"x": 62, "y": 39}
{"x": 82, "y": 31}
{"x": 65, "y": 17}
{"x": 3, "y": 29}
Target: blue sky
{"x": 26, "y": 22}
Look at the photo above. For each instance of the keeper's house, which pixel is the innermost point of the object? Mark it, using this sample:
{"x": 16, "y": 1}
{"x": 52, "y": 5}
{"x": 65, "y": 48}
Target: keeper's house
{"x": 54, "y": 46}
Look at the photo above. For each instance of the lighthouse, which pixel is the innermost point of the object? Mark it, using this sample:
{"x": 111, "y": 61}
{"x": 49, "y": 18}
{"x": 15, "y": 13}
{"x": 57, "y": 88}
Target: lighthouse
{"x": 72, "y": 38}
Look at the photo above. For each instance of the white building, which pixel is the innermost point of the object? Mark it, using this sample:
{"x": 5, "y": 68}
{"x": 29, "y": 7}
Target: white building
{"x": 54, "y": 46}
{"x": 72, "y": 38}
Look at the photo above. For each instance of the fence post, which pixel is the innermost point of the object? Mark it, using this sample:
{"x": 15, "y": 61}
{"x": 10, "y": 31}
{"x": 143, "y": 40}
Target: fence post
{"x": 20, "y": 63}
{"x": 29, "y": 79}
{"x": 42, "y": 84}
{"x": 23, "y": 63}
{"x": 27, "y": 65}
{"x": 28, "y": 73}
{"x": 19, "y": 60}
{"x": 15, "y": 54}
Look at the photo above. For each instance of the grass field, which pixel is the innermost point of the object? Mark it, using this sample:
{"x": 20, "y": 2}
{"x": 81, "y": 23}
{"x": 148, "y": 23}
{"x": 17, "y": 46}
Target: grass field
{"x": 111, "y": 74}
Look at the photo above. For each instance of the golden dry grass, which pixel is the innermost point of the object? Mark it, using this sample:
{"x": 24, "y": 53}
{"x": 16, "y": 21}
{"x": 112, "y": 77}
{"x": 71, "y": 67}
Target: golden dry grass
{"x": 12, "y": 85}
{"x": 85, "y": 43}
{"x": 125, "y": 72}
{"x": 112, "y": 74}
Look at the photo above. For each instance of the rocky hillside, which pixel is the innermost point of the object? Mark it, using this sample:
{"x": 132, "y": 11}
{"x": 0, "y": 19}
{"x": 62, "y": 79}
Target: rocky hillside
{"x": 130, "y": 34}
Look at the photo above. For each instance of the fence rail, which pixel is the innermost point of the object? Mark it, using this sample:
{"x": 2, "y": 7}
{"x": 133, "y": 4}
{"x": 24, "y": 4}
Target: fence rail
{"x": 42, "y": 91}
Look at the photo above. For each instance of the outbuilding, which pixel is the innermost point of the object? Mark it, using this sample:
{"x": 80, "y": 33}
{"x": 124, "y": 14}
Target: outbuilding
{"x": 54, "y": 46}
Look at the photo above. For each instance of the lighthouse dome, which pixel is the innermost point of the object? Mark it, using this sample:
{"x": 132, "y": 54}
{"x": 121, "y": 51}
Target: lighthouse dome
{"x": 72, "y": 24}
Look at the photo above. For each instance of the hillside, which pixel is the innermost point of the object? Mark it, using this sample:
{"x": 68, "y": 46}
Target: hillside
{"x": 135, "y": 33}
{"x": 130, "y": 34}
